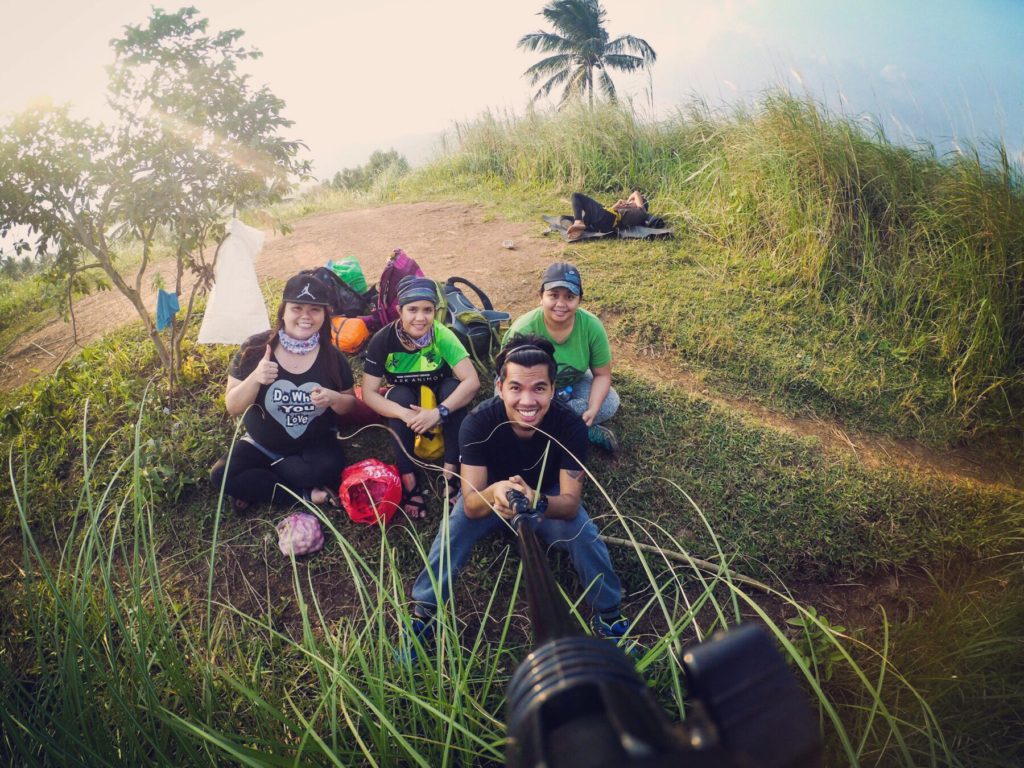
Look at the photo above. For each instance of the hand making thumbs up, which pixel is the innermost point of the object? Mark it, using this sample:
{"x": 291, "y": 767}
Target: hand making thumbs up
{"x": 266, "y": 371}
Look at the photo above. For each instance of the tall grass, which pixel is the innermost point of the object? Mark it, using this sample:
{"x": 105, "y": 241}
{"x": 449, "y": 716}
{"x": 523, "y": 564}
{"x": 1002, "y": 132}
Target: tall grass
{"x": 820, "y": 209}
{"x": 115, "y": 657}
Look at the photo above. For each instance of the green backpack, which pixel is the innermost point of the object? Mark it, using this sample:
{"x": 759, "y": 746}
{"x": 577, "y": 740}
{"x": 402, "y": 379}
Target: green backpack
{"x": 478, "y": 328}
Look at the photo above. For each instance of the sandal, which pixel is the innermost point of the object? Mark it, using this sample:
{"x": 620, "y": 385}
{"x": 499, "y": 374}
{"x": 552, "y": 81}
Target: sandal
{"x": 331, "y": 500}
{"x": 409, "y": 500}
{"x": 575, "y": 232}
{"x": 453, "y": 486}
{"x": 238, "y": 506}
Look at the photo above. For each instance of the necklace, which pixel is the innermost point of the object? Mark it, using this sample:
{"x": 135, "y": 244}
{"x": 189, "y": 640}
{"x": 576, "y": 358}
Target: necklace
{"x": 298, "y": 346}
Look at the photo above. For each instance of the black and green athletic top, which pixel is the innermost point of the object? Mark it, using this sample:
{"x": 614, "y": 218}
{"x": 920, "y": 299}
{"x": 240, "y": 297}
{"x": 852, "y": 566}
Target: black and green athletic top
{"x": 389, "y": 360}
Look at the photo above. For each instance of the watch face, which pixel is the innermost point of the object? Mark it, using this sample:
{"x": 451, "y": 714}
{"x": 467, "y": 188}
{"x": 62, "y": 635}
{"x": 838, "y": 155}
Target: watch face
{"x": 443, "y": 412}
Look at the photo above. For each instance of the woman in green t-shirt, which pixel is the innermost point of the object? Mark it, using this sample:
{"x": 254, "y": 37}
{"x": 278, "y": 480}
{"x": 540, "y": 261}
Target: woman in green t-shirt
{"x": 582, "y": 352}
{"x": 414, "y": 351}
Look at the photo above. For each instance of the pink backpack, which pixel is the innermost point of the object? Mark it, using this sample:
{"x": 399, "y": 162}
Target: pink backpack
{"x": 399, "y": 265}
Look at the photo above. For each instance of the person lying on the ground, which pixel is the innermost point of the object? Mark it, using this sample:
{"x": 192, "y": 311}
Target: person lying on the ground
{"x": 416, "y": 350}
{"x": 589, "y": 214}
{"x": 523, "y": 439}
{"x": 582, "y": 352}
{"x": 289, "y": 385}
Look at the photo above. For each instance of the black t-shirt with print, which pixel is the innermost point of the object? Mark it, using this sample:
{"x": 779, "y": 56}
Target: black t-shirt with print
{"x": 488, "y": 440}
{"x": 283, "y": 418}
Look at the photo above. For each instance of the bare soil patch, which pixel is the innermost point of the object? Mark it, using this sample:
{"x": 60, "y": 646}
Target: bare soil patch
{"x": 460, "y": 239}
{"x": 445, "y": 238}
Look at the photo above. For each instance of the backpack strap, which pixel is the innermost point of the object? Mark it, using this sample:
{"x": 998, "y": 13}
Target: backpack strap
{"x": 484, "y": 300}
{"x": 441, "y": 311}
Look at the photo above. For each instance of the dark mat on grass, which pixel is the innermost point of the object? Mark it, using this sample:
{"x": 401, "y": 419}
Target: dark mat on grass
{"x": 560, "y": 224}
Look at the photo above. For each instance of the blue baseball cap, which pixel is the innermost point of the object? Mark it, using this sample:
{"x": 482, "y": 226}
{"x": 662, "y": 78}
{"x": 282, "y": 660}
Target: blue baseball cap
{"x": 562, "y": 274}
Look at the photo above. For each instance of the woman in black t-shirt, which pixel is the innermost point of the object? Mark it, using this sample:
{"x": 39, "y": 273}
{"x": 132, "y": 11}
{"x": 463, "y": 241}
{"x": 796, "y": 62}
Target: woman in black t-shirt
{"x": 288, "y": 384}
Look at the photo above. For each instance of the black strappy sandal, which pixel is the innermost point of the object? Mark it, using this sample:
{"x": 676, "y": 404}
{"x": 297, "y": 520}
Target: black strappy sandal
{"x": 332, "y": 501}
{"x": 409, "y": 500}
{"x": 238, "y": 506}
{"x": 453, "y": 484}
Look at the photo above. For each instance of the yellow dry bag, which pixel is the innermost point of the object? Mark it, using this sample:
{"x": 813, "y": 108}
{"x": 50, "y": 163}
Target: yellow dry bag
{"x": 429, "y": 445}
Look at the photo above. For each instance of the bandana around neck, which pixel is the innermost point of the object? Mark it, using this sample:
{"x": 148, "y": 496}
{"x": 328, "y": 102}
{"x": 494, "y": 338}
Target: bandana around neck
{"x": 298, "y": 346}
{"x": 421, "y": 343}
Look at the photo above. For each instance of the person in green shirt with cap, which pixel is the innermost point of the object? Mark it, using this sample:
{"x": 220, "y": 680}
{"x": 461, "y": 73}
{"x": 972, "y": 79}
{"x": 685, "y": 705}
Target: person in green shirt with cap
{"x": 582, "y": 352}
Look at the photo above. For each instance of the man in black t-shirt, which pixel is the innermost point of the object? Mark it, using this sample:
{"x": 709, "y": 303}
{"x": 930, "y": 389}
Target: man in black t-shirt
{"x": 522, "y": 439}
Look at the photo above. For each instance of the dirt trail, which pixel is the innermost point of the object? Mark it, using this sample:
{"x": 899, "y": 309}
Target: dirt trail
{"x": 457, "y": 239}
{"x": 445, "y": 238}
{"x": 985, "y": 464}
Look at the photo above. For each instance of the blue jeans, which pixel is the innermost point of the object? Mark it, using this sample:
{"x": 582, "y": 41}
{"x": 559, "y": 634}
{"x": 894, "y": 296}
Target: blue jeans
{"x": 579, "y": 399}
{"x": 578, "y": 537}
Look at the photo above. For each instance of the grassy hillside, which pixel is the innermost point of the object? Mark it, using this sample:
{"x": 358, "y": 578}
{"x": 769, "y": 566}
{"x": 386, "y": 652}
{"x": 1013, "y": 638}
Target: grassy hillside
{"x": 815, "y": 267}
{"x": 125, "y": 540}
{"x": 815, "y": 264}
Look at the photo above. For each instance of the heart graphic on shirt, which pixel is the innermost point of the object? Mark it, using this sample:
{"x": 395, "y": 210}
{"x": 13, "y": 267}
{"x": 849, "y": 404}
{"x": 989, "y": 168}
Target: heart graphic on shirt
{"x": 291, "y": 405}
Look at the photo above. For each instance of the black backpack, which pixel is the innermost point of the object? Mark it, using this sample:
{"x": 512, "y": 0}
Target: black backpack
{"x": 478, "y": 328}
{"x": 345, "y": 300}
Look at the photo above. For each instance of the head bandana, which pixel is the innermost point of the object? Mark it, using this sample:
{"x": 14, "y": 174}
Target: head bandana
{"x": 416, "y": 289}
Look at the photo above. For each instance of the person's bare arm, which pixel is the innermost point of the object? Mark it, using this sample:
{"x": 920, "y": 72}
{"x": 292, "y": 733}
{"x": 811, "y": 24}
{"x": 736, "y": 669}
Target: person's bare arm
{"x": 598, "y": 391}
{"x": 339, "y": 402}
{"x": 478, "y": 495}
{"x": 469, "y": 385}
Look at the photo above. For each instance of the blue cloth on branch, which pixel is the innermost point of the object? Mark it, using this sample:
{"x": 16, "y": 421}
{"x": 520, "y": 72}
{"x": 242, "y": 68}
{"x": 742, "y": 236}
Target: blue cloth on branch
{"x": 166, "y": 308}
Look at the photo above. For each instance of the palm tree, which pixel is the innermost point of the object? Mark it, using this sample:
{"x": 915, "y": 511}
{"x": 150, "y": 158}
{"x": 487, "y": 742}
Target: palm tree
{"x": 578, "y": 47}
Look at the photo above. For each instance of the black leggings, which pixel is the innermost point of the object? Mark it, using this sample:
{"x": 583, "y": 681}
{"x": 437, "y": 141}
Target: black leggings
{"x": 405, "y": 441}
{"x": 253, "y": 476}
{"x": 592, "y": 213}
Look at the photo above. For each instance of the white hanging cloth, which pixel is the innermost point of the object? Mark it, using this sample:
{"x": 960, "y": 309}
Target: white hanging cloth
{"x": 235, "y": 310}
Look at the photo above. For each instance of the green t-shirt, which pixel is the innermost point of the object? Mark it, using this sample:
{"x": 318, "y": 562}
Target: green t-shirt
{"x": 585, "y": 348}
{"x": 388, "y": 359}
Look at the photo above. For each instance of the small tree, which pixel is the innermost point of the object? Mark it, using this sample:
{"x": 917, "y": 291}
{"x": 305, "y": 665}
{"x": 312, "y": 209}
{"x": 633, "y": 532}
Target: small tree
{"x": 362, "y": 177}
{"x": 191, "y": 140}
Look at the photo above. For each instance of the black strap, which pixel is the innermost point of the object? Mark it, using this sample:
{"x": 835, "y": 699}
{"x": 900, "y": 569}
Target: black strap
{"x": 486, "y": 302}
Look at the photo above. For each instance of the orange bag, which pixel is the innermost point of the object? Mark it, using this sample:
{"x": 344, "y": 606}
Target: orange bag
{"x": 349, "y": 334}
{"x": 370, "y": 491}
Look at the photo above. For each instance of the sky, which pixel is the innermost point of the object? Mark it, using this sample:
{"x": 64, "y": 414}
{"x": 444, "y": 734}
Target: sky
{"x": 381, "y": 74}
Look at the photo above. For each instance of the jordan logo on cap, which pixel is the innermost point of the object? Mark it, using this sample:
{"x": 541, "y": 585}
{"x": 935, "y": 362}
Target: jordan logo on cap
{"x": 305, "y": 292}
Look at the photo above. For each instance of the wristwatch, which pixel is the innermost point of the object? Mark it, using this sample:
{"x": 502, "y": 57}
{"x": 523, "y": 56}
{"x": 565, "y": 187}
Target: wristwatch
{"x": 443, "y": 412}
